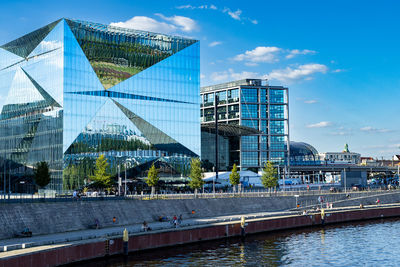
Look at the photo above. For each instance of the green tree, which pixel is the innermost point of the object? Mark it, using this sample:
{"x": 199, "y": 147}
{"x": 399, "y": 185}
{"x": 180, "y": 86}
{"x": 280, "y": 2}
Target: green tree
{"x": 42, "y": 174}
{"x": 101, "y": 177}
{"x": 152, "y": 178}
{"x": 269, "y": 177}
{"x": 196, "y": 175}
{"x": 234, "y": 176}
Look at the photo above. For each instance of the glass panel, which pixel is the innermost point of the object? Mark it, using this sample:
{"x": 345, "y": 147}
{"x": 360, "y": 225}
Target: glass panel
{"x": 233, "y": 111}
{"x": 209, "y": 100}
{"x": 249, "y": 159}
{"x": 250, "y": 123}
{"x": 249, "y": 95}
{"x": 277, "y": 127}
{"x": 277, "y": 111}
{"x": 264, "y": 126}
{"x": 264, "y": 111}
{"x": 276, "y": 96}
{"x": 222, "y": 113}
{"x": 209, "y": 114}
{"x": 24, "y": 46}
{"x": 117, "y": 54}
{"x": 249, "y": 143}
{"x": 263, "y": 95}
{"x": 221, "y": 97}
{"x": 233, "y": 95}
{"x": 264, "y": 142}
{"x": 250, "y": 111}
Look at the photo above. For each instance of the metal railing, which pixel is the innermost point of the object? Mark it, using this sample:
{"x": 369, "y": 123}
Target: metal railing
{"x": 328, "y": 196}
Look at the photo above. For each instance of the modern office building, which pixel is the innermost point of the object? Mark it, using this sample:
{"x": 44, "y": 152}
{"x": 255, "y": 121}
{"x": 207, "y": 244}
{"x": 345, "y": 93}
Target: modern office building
{"x": 73, "y": 90}
{"x": 248, "y": 103}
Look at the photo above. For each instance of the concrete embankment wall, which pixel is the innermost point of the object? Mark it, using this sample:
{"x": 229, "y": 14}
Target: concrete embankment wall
{"x": 88, "y": 250}
{"x": 57, "y": 217}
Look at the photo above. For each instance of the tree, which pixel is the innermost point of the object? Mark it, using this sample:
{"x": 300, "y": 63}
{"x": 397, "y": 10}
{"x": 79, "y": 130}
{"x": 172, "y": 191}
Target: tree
{"x": 196, "y": 175}
{"x": 269, "y": 177}
{"x": 152, "y": 178}
{"x": 101, "y": 177}
{"x": 234, "y": 176}
{"x": 42, "y": 174}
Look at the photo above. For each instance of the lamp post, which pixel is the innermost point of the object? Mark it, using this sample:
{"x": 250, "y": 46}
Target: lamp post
{"x": 119, "y": 182}
{"x": 125, "y": 181}
{"x": 216, "y": 135}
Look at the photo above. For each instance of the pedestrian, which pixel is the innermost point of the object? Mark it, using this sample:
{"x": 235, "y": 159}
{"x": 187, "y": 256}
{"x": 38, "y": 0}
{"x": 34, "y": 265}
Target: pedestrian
{"x": 145, "y": 226}
{"x": 114, "y": 219}
{"x": 180, "y": 219}
{"x": 377, "y": 201}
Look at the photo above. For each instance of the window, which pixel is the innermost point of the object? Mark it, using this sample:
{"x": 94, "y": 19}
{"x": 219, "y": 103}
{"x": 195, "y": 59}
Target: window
{"x": 249, "y": 158}
{"x": 277, "y": 111}
{"x": 249, "y": 142}
{"x": 221, "y": 97}
{"x": 233, "y": 111}
{"x": 209, "y": 99}
{"x": 276, "y": 96}
{"x": 250, "y": 123}
{"x": 233, "y": 95}
{"x": 277, "y": 127}
{"x": 250, "y": 111}
{"x": 249, "y": 95}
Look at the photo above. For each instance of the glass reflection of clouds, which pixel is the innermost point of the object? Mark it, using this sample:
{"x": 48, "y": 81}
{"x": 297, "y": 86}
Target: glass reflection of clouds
{"x": 55, "y": 106}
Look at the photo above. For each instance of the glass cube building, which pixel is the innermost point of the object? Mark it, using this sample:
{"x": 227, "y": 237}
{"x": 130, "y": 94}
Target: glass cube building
{"x": 73, "y": 90}
{"x": 251, "y": 103}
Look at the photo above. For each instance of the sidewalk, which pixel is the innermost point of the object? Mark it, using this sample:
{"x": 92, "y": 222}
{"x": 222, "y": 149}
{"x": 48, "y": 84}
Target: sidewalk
{"x": 20, "y": 243}
{"x": 110, "y": 232}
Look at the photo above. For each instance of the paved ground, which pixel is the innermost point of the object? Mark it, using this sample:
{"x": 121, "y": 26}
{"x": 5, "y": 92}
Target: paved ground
{"x": 17, "y": 243}
{"x": 19, "y": 246}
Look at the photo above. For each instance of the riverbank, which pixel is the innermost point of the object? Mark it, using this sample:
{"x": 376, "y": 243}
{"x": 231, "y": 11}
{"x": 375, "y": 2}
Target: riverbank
{"x": 73, "y": 251}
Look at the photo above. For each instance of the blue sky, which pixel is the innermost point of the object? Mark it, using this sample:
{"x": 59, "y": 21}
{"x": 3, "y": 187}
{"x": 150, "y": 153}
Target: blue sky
{"x": 340, "y": 59}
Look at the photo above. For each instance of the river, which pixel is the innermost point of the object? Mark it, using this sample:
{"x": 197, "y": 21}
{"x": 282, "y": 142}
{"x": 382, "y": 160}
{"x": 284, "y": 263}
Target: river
{"x": 371, "y": 243}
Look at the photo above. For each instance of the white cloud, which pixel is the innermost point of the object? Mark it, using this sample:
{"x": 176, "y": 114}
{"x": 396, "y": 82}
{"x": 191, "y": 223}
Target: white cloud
{"x": 197, "y": 7}
{"x": 338, "y": 70}
{"x": 202, "y": 76}
{"x": 370, "y": 129}
{"x": 311, "y": 101}
{"x": 230, "y": 74}
{"x": 302, "y": 72}
{"x": 214, "y": 44}
{"x": 295, "y": 52}
{"x": 235, "y": 15}
{"x": 322, "y": 124}
{"x": 169, "y": 25}
{"x": 261, "y": 54}
{"x": 184, "y": 23}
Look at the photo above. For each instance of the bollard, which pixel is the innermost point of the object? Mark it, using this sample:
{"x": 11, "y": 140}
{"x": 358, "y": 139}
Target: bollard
{"x": 243, "y": 226}
{"x": 125, "y": 238}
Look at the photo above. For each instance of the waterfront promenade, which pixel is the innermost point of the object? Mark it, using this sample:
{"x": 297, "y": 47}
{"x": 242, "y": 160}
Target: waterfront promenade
{"x": 56, "y": 249}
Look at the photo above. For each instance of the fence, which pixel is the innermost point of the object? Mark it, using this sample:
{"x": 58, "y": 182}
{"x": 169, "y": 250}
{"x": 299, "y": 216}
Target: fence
{"x": 328, "y": 195}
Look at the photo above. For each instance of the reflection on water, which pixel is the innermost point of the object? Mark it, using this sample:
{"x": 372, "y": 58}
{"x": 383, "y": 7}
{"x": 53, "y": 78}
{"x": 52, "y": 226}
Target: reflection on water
{"x": 373, "y": 243}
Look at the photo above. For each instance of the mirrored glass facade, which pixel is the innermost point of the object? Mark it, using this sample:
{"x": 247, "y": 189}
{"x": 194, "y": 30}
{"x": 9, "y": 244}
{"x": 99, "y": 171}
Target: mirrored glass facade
{"x": 255, "y": 104}
{"x": 74, "y": 90}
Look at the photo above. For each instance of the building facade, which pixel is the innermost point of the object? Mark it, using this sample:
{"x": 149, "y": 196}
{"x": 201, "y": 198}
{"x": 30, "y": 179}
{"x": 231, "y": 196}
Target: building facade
{"x": 74, "y": 90}
{"x": 251, "y": 103}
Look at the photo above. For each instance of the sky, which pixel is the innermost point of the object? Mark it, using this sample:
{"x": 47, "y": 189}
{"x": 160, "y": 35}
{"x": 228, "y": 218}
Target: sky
{"x": 339, "y": 59}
